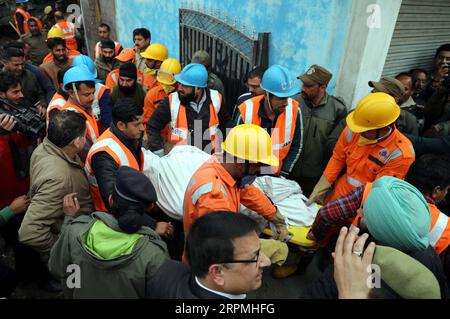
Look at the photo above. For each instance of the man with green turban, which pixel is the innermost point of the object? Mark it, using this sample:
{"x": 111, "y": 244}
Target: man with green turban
{"x": 393, "y": 212}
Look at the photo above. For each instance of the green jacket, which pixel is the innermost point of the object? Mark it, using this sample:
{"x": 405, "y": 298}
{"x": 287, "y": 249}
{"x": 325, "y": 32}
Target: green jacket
{"x": 112, "y": 264}
{"x": 322, "y": 126}
{"x": 215, "y": 83}
{"x": 104, "y": 68}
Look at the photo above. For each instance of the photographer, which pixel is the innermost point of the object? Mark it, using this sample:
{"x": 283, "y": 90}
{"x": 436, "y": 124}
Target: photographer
{"x": 14, "y": 64}
{"x": 15, "y": 153}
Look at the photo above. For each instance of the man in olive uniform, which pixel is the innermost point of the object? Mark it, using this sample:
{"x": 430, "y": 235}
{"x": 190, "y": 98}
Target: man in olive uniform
{"x": 323, "y": 121}
{"x": 214, "y": 82}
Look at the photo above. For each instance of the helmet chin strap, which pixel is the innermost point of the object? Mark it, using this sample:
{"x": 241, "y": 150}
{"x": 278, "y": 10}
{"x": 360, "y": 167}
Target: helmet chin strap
{"x": 268, "y": 101}
{"x": 76, "y": 92}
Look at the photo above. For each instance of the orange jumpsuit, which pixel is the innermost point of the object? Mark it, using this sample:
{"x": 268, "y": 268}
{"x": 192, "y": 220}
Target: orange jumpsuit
{"x": 212, "y": 188}
{"x": 150, "y": 81}
{"x": 353, "y": 165}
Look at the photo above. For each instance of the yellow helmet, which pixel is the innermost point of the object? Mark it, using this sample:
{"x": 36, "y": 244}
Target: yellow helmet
{"x": 55, "y": 33}
{"x": 376, "y": 110}
{"x": 250, "y": 142}
{"x": 155, "y": 51}
{"x": 167, "y": 70}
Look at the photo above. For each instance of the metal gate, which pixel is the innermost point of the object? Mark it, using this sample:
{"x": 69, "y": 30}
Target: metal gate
{"x": 233, "y": 53}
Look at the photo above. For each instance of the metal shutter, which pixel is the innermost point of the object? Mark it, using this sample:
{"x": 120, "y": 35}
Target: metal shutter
{"x": 422, "y": 26}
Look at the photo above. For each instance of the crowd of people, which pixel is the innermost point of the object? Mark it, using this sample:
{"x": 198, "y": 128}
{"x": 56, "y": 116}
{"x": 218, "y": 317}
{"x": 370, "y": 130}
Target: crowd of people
{"x": 75, "y": 192}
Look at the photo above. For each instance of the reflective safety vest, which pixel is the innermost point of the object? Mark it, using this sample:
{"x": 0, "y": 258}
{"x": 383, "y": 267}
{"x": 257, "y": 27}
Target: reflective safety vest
{"x": 283, "y": 132}
{"x": 57, "y": 103}
{"x": 91, "y": 123}
{"x": 98, "y": 49}
{"x": 100, "y": 89}
{"x": 26, "y": 17}
{"x": 113, "y": 78}
{"x": 110, "y": 144}
{"x": 69, "y": 30}
{"x": 440, "y": 225}
{"x": 440, "y": 229}
{"x": 178, "y": 127}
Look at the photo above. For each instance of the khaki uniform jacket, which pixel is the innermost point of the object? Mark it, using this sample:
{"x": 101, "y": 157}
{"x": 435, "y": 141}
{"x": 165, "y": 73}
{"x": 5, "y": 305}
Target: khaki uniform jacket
{"x": 322, "y": 126}
{"x": 53, "y": 175}
{"x": 104, "y": 68}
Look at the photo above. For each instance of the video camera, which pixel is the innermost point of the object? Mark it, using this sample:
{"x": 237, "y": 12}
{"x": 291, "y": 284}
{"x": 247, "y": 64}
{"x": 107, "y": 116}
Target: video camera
{"x": 28, "y": 120}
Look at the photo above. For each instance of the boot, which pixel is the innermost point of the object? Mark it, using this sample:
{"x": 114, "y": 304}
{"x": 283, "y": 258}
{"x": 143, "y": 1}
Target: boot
{"x": 284, "y": 271}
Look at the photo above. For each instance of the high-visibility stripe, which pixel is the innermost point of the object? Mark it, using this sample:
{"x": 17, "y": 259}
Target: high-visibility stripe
{"x": 110, "y": 143}
{"x": 248, "y": 112}
{"x": 348, "y": 134}
{"x": 215, "y": 99}
{"x": 438, "y": 229}
{"x": 354, "y": 182}
{"x": 287, "y": 127}
{"x": 206, "y": 188}
{"x": 91, "y": 178}
{"x": 174, "y": 109}
{"x": 394, "y": 154}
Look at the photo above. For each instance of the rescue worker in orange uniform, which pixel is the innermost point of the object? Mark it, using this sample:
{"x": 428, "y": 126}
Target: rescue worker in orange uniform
{"x": 120, "y": 145}
{"x": 225, "y": 181}
{"x": 278, "y": 114}
{"x": 166, "y": 85}
{"x": 56, "y": 33}
{"x": 125, "y": 56}
{"x": 368, "y": 148}
{"x": 60, "y": 97}
{"x": 68, "y": 28}
{"x": 80, "y": 86}
{"x": 154, "y": 56}
{"x": 21, "y": 17}
{"x": 193, "y": 113}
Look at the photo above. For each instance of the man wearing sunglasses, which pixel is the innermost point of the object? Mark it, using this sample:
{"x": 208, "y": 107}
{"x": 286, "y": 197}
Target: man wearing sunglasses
{"x": 225, "y": 261}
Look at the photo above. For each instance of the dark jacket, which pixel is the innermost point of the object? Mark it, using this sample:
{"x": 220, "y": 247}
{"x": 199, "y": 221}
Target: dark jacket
{"x": 46, "y": 85}
{"x": 325, "y": 286}
{"x": 138, "y": 95}
{"x": 435, "y": 145}
{"x": 161, "y": 117}
{"x": 174, "y": 280}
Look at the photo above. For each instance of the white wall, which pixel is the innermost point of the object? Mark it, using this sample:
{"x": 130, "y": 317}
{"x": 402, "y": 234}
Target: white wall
{"x": 367, "y": 43}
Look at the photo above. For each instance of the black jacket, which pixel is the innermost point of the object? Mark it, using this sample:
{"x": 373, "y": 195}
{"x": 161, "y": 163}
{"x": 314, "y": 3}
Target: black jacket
{"x": 105, "y": 169}
{"x": 325, "y": 286}
{"x": 161, "y": 117}
{"x": 174, "y": 280}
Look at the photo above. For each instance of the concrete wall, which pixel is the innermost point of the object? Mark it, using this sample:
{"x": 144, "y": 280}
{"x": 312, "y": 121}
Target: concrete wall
{"x": 303, "y": 32}
{"x": 367, "y": 44}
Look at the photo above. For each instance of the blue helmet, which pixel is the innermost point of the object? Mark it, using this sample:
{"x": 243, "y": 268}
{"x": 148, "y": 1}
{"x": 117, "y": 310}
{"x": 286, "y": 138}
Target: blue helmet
{"x": 21, "y": 1}
{"x": 77, "y": 74}
{"x": 193, "y": 74}
{"x": 279, "y": 81}
{"x": 87, "y": 61}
